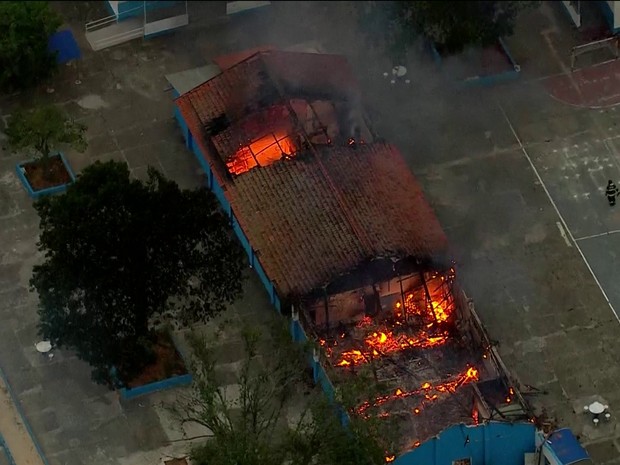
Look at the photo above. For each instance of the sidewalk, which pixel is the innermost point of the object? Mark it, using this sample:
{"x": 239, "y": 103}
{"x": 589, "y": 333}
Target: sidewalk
{"x": 20, "y": 445}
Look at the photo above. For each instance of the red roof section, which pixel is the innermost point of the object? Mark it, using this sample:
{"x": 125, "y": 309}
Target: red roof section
{"x": 297, "y": 223}
{"x": 321, "y": 213}
{"x": 262, "y": 79}
{"x": 225, "y": 62}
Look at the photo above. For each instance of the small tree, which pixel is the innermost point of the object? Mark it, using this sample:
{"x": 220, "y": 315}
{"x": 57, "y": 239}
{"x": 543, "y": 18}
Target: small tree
{"x": 119, "y": 252}
{"x": 451, "y": 25}
{"x": 253, "y": 429}
{"x": 25, "y": 59}
{"x": 42, "y": 130}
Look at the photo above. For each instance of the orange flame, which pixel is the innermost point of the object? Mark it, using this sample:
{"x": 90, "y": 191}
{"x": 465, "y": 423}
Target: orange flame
{"x": 263, "y": 151}
{"x": 428, "y": 391}
{"x": 440, "y": 313}
{"x": 390, "y": 458}
{"x": 382, "y": 343}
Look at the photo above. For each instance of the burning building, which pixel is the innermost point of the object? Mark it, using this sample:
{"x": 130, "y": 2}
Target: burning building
{"x": 336, "y": 225}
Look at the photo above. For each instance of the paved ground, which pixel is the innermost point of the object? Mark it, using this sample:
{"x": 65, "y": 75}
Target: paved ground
{"x": 479, "y": 154}
{"x": 122, "y": 98}
{"x": 15, "y": 442}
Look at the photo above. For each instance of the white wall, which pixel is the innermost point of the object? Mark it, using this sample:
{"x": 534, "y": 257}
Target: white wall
{"x": 114, "y": 6}
{"x": 615, "y": 7}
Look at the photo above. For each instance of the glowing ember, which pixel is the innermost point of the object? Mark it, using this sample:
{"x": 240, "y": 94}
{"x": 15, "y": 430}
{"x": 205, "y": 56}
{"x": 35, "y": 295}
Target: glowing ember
{"x": 428, "y": 391}
{"x": 386, "y": 342}
{"x": 390, "y": 458}
{"x": 440, "y": 313}
{"x": 415, "y": 306}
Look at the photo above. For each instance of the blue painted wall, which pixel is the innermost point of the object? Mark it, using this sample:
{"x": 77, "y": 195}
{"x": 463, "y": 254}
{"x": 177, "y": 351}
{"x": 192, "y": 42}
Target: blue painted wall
{"x": 131, "y": 9}
{"x": 490, "y": 444}
{"x": 218, "y": 191}
{"x": 168, "y": 383}
{"x": 608, "y": 14}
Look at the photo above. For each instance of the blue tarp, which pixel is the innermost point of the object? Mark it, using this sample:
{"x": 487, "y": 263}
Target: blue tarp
{"x": 65, "y": 45}
{"x": 566, "y": 447}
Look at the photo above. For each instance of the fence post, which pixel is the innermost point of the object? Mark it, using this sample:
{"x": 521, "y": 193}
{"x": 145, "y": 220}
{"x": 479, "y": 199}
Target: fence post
{"x": 315, "y": 365}
{"x": 294, "y": 323}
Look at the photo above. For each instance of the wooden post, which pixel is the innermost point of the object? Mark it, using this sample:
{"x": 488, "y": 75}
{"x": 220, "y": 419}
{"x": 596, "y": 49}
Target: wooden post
{"x": 428, "y": 296}
{"x": 326, "y": 300}
{"x": 402, "y": 296}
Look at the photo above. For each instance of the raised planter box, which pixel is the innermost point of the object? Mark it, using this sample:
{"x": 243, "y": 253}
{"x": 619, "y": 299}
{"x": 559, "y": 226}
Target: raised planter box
{"x": 127, "y": 392}
{"x": 503, "y": 67}
{"x": 169, "y": 383}
{"x": 21, "y": 169}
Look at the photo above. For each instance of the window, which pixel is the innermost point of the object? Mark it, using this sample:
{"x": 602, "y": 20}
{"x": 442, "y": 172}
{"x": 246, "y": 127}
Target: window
{"x": 461, "y": 462}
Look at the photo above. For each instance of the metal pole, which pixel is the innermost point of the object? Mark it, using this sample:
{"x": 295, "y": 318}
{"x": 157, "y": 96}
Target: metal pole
{"x": 402, "y": 296}
{"x": 326, "y": 300}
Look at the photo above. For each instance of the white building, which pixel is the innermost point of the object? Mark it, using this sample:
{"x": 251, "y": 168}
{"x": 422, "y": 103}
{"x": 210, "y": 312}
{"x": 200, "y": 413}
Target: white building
{"x": 610, "y": 9}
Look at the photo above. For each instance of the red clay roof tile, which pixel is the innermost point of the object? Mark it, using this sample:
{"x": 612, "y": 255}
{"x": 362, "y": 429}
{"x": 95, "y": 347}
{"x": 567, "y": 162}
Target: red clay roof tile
{"x": 317, "y": 215}
{"x": 293, "y": 218}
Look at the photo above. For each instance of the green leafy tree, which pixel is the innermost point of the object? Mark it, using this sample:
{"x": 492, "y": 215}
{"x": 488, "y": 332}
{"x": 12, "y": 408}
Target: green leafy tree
{"x": 253, "y": 429}
{"x": 451, "y": 25}
{"x": 119, "y": 253}
{"x": 24, "y": 56}
{"x": 43, "y": 130}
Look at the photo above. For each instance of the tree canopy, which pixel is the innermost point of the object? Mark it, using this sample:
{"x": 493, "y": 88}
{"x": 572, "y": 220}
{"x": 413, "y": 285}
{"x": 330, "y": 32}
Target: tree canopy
{"x": 24, "y": 56}
{"x": 44, "y": 129}
{"x": 119, "y": 252}
{"x": 451, "y": 25}
{"x": 256, "y": 427}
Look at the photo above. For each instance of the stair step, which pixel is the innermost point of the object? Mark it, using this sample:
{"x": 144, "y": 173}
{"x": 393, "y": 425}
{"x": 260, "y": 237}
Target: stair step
{"x": 116, "y": 33}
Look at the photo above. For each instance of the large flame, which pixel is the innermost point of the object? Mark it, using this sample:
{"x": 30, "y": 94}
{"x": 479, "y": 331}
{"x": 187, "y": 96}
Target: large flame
{"x": 265, "y": 151}
{"x": 441, "y": 315}
{"x": 380, "y": 343}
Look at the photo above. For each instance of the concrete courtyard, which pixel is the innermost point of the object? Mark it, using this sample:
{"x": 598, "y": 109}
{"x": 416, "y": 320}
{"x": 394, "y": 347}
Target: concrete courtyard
{"x": 515, "y": 173}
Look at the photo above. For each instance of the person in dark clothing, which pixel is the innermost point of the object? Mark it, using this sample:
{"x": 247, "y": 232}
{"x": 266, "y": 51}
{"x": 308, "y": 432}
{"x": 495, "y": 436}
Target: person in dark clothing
{"x": 611, "y": 192}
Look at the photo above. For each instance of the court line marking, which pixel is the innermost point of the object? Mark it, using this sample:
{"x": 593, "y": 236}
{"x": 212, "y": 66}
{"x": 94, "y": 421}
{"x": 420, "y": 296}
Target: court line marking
{"x": 557, "y": 210}
{"x": 592, "y": 236}
{"x": 563, "y": 234}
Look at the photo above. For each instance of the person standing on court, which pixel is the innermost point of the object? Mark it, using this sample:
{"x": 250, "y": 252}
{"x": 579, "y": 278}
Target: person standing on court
{"x": 611, "y": 192}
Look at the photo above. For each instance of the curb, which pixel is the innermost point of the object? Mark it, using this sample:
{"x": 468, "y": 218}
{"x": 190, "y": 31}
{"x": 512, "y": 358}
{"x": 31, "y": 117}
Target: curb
{"x": 20, "y": 411}
{"x": 7, "y": 451}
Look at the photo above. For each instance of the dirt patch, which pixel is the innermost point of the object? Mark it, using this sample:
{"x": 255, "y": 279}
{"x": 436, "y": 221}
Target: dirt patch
{"x": 168, "y": 363}
{"x": 41, "y": 175}
{"x": 489, "y": 61}
{"x": 92, "y": 102}
{"x": 176, "y": 462}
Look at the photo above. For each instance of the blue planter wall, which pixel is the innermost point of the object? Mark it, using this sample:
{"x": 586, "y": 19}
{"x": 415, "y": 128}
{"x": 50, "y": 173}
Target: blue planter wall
{"x": 489, "y": 444}
{"x": 169, "y": 383}
{"x": 488, "y": 80}
{"x": 50, "y": 190}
